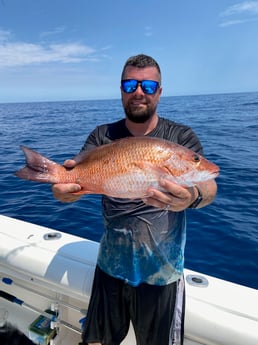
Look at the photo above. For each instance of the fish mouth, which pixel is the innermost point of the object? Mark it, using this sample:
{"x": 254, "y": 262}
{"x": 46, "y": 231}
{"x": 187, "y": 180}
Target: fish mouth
{"x": 190, "y": 179}
{"x": 209, "y": 175}
{"x": 213, "y": 175}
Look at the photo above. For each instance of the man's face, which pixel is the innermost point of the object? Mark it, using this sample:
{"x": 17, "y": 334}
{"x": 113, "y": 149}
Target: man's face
{"x": 140, "y": 107}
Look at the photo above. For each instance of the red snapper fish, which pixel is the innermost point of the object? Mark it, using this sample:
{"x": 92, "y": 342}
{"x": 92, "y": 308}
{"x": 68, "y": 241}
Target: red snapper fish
{"x": 125, "y": 168}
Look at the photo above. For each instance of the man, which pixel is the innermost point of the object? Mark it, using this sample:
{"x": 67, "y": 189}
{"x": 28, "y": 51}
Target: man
{"x": 139, "y": 273}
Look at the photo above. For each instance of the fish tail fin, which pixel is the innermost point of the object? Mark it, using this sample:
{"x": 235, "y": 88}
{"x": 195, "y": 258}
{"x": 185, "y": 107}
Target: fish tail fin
{"x": 38, "y": 168}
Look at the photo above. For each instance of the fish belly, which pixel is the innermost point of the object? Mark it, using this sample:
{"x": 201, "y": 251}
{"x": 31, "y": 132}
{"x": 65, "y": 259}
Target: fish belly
{"x": 132, "y": 185}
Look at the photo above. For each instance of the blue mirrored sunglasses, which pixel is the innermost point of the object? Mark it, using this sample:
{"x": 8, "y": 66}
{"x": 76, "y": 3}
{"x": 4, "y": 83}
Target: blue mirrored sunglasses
{"x": 149, "y": 87}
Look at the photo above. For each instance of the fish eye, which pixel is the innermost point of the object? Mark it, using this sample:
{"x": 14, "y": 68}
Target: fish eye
{"x": 196, "y": 158}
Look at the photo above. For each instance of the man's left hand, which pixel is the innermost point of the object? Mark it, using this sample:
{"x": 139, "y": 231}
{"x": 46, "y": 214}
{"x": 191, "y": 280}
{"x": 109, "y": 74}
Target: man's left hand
{"x": 175, "y": 198}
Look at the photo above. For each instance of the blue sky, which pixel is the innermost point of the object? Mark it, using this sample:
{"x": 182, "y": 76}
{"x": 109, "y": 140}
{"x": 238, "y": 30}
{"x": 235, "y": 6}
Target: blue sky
{"x": 75, "y": 50}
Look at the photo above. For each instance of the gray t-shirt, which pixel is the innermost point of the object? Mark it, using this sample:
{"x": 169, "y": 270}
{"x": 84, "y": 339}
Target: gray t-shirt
{"x": 141, "y": 243}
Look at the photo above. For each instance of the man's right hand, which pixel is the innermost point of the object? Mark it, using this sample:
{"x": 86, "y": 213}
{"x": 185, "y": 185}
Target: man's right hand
{"x": 64, "y": 191}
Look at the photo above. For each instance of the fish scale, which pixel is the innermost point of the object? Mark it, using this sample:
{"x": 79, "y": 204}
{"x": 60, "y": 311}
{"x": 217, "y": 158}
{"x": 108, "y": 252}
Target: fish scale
{"x": 125, "y": 168}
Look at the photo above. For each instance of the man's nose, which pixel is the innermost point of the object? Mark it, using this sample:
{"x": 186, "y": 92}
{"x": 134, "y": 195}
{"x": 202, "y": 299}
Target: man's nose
{"x": 138, "y": 90}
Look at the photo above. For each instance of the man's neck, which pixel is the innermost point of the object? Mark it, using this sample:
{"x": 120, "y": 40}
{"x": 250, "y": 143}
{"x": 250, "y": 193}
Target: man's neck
{"x": 141, "y": 129}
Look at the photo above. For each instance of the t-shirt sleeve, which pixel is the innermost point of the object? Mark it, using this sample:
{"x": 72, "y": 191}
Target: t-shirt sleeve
{"x": 182, "y": 135}
{"x": 94, "y": 139}
{"x": 189, "y": 139}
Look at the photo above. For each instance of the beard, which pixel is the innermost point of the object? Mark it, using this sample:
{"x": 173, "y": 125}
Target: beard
{"x": 139, "y": 115}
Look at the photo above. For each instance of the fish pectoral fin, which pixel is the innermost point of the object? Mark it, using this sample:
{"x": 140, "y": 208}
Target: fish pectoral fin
{"x": 83, "y": 191}
{"x": 157, "y": 170}
{"x": 168, "y": 170}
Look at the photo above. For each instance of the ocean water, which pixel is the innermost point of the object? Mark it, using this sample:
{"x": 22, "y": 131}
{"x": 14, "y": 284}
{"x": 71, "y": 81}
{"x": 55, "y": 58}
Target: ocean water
{"x": 222, "y": 238}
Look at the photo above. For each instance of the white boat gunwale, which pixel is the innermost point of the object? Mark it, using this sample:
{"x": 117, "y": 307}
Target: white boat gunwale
{"x": 61, "y": 267}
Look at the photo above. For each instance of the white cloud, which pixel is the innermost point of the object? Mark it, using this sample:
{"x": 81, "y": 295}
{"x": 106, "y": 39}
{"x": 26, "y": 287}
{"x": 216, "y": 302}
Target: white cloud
{"x": 246, "y": 7}
{"x": 22, "y": 53}
{"x": 147, "y": 31}
{"x": 237, "y": 21}
{"x": 5, "y": 35}
{"x": 55, "y": 31}
{"x": 240, "y": 13}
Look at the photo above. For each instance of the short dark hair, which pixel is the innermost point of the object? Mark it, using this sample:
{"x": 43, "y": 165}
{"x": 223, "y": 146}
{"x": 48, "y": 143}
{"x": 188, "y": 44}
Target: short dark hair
{"x": 141, "y": 61}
